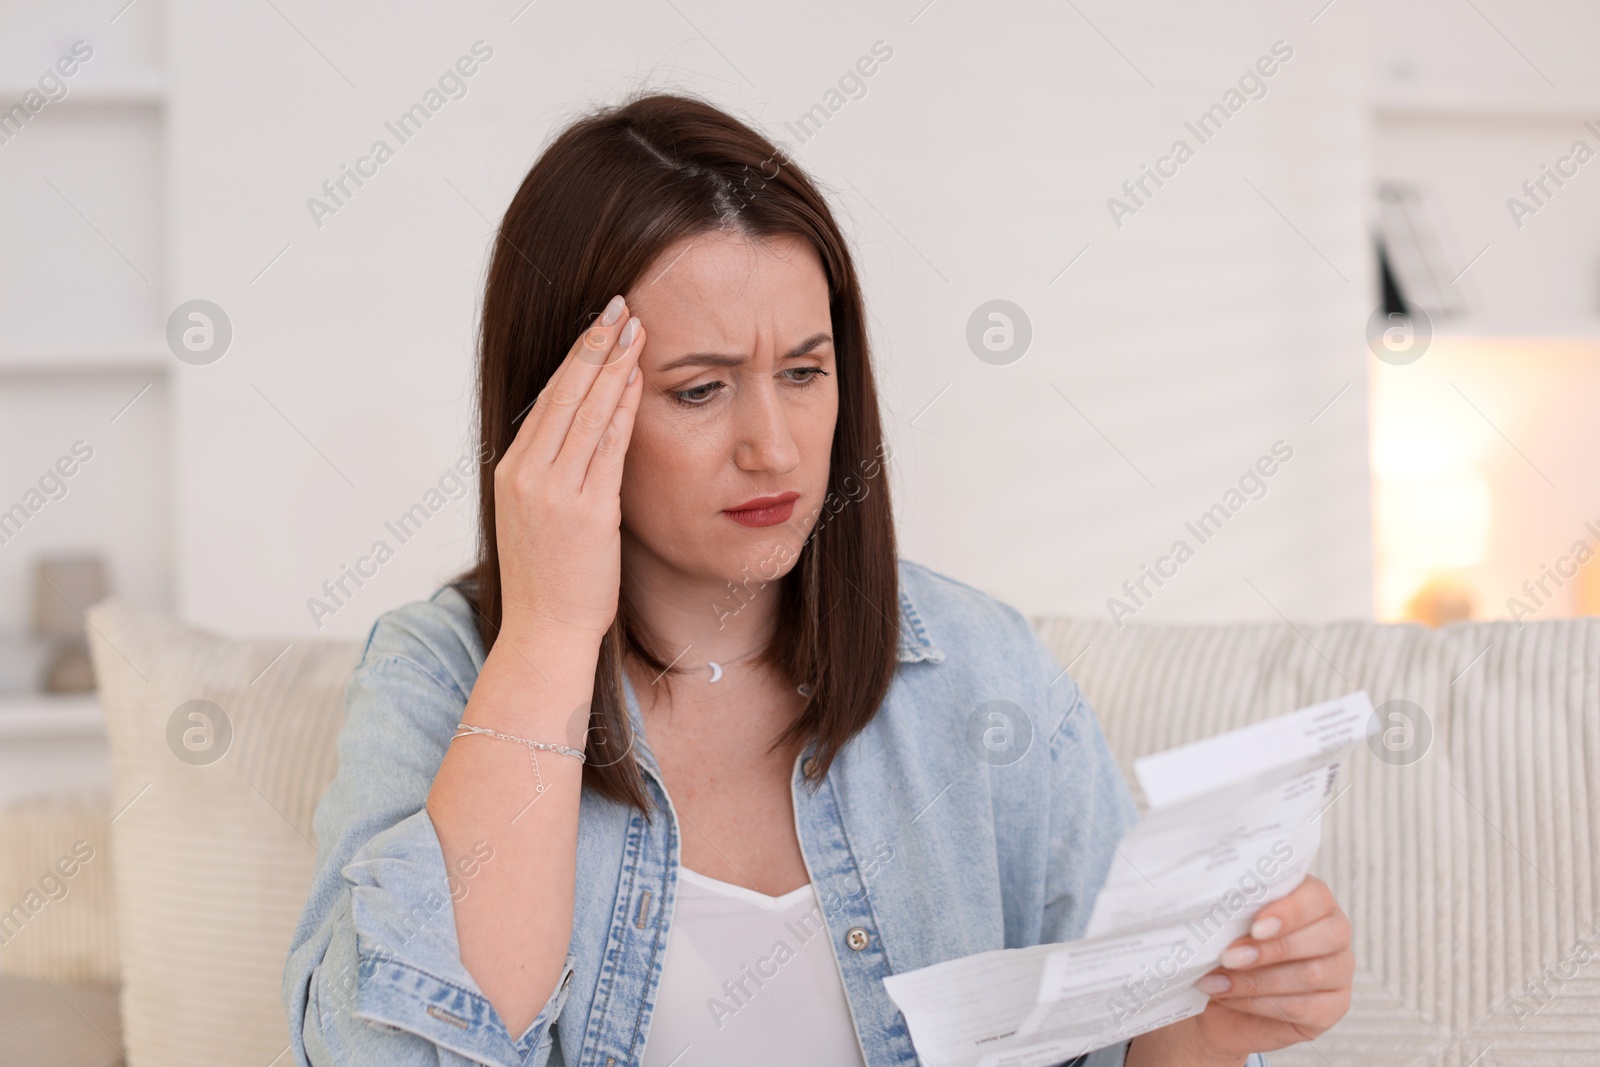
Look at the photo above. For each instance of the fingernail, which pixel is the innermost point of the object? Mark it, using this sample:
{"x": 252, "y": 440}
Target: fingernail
{"x": 634, "y": 373}
{"x": 1214, "y": 983}
{"x": 1240, "y": 956}
{"x": 629, "y": 332}
{"x": 613, "y": 310}
{"x": 1265, "y": 928}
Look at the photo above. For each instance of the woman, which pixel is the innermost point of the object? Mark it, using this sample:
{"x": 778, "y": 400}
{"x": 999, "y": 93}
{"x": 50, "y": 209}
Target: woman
{"x": 690, "y": 760}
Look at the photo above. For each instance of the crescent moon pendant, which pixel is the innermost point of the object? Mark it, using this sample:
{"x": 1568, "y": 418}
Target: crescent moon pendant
{"x": 716, "y": 671}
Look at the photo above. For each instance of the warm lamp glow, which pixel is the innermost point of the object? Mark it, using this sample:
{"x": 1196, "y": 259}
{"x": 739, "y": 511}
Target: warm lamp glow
{"x": 1443, "y": 599}
{"x": 1589, "y": 588}
{"x": 1431, "y": 505}
{"x": 1486, "y": 480}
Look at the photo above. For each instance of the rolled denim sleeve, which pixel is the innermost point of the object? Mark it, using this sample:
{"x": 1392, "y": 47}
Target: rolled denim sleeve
{"x": 374, "y": 975}
{"x": 1091, "y": 809}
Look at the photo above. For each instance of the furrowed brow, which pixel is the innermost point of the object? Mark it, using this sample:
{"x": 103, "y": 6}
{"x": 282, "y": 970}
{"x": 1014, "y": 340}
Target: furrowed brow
{"x": 717, "y": 359}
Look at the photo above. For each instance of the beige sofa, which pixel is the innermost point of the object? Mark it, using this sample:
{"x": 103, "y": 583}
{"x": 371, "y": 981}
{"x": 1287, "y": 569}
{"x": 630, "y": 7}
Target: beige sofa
{"x": 1464, "y": 851}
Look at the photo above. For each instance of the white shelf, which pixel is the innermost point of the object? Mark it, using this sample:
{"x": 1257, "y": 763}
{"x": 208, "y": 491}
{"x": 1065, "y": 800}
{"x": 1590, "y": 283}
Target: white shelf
{"x": 1577, "y": 329}
{"x": 145, "y": 360}
{"x": 138, "y": 90}
{"x": 1415, "y": 105}
{"x": 50, "y": 715}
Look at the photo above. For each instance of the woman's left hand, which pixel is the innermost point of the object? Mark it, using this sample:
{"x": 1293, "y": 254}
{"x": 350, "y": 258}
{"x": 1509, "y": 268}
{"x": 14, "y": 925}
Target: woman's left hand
{"x": 1287, "y": 982}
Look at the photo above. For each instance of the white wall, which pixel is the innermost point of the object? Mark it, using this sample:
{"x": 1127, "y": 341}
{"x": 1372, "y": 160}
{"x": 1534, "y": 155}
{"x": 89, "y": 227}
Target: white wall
{"x": 977, "y": 166}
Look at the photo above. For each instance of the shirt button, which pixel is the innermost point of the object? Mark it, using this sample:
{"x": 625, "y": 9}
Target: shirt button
{"x": 857, "y": 938}
{"x": 806, "y": 766}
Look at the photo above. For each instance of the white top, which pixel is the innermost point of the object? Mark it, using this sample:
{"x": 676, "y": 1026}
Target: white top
{"x": 748, "y": 979}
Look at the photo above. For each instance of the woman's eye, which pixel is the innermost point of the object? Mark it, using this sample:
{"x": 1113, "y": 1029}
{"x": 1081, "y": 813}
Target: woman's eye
{"x": 694, "y": 396}
{"x": 698, "y": 395}
{"x": 811, "y": 374}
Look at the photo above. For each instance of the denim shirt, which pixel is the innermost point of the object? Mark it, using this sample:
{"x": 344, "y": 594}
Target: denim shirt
{"x": 925, "y": 842}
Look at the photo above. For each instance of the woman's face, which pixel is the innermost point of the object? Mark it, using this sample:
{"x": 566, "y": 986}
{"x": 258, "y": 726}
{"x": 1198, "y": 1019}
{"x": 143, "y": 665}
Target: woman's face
{"x": 740, "y": 399}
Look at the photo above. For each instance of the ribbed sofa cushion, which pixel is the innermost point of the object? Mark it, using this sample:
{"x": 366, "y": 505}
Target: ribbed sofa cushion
{"x": 56, "y": 884}
{"x": 1467, "y": 863}
{"x": 213, "y": 858}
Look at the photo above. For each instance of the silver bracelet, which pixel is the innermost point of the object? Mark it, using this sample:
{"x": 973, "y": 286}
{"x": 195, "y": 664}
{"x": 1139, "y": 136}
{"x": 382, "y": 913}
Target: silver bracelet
{"x": 463, "y": 730}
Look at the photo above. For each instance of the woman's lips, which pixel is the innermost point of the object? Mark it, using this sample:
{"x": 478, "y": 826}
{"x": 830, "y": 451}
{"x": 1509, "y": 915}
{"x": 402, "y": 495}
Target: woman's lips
{"x": 767, "y": 515}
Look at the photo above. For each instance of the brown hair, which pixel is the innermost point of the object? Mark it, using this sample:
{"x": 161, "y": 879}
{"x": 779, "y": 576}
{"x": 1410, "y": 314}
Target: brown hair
{"x": 609, "y": 195}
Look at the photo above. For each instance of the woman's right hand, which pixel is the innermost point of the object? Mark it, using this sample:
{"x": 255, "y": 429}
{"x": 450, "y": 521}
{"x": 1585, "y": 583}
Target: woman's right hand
{"x": 558, "y": 488}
